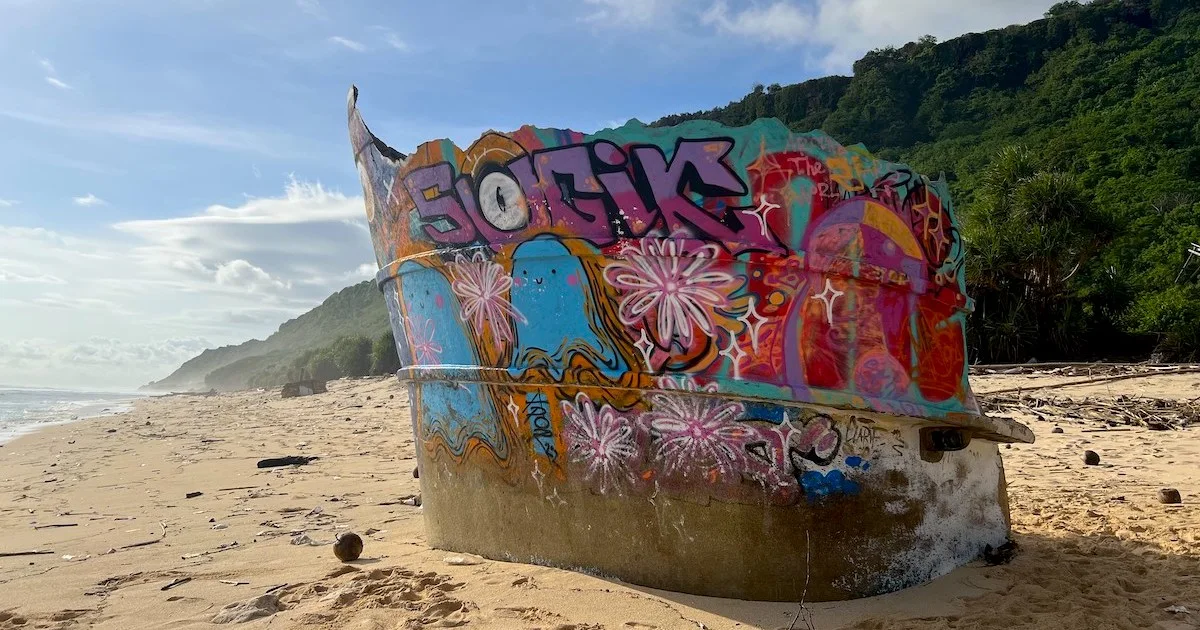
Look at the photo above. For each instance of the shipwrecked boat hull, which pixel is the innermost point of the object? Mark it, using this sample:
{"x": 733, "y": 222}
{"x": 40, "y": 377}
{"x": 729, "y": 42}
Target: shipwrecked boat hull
{"x": 725, "y": 361}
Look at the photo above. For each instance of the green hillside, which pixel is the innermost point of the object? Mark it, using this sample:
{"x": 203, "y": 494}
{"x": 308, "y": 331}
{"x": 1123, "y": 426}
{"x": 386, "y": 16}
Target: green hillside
{"x": 1077, "y": 236}
{"x": 356, "y": 311}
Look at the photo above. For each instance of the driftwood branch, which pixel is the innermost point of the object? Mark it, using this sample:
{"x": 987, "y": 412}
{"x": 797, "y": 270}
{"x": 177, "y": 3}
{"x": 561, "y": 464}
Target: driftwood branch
{"x": 143, "y": 544}
{"x": 1153, "y": 413}
{"x": 1091, "y": 381}
{"x": 16, "y": 554}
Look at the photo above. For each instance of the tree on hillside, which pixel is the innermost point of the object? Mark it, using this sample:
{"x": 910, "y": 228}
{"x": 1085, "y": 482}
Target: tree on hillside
{"x": 322, "y": 367}
{"x": 1162, "y": 285}
{"x": 1027, "y": 237}
{"x": 384, "y": 358}
{"x": 353, "y": 355}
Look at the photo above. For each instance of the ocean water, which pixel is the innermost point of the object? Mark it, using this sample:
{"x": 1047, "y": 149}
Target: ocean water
{"x": 25, "y": 410}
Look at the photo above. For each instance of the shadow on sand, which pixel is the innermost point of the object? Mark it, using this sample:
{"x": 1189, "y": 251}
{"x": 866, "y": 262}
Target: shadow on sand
{"x": 1072, "y": 582}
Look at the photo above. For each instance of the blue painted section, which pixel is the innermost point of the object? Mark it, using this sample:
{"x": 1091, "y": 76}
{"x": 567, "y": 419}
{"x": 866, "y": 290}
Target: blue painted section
{"x": 456, "y": 412}
{"x": 818, "y": 485}
{"x": 855, "y": 461}
{"x": 551, "y": 290}
{"x": 433, "y": 315}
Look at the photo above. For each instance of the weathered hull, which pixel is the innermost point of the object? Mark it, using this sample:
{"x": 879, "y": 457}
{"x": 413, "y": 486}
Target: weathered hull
{"x": 723, "y": 361}
{"x": 898, "y": 523}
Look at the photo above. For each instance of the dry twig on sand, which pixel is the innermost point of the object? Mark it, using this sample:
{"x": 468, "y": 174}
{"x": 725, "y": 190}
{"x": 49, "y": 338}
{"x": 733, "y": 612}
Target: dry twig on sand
{"x": 16, "y": 554}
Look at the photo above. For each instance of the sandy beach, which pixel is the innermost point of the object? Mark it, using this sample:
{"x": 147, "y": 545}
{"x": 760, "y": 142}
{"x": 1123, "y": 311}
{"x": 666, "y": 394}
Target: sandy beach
{"x": 109, "y": 498}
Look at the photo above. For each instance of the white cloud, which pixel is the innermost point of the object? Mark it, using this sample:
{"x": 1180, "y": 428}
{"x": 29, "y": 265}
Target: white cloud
{"x": 776, "y": 22}
{"x": 102, "y": 350}
{"x": 89, "y": 200}
{"x": 348, "y": 43}
{"x": 394, "y": 41}
{"x": 391, "y": 38}
{"x": 240, "y": 274}
{"x": 365, "y": 271}
{"x": 58, "y": 300}
{"x": 13, "y": 277}
{"x": 227, "y": 273}
{"x": 16, "y": 271}
{"x": 629, "y": 12}
{"x": 8, "y": 203}
{"x": 79, "y": 165}
{"x": 93, "y": 362}
{"x": 842, "y": 30}
{"x": 52, "y": 75}
{"x": 266, "y": 245}
{"x": 270, "y": 316}
{"x": 311, "y": 7}
{"x": 166, "y": 128}
{"x": 302, "y": 202}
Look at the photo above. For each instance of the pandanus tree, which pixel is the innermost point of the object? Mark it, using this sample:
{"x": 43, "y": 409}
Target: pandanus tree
{"x": 1028, "y": 234}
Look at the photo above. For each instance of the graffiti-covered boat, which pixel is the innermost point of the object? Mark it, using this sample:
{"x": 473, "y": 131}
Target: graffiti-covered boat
{"x": 724, "y": 361}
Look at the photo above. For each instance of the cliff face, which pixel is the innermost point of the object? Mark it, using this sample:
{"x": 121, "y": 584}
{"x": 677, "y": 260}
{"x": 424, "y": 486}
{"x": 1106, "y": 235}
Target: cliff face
{"x": 353, "y": 311}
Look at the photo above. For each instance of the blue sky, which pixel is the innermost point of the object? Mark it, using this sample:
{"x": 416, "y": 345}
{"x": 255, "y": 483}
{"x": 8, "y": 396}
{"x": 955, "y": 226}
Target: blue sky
{"x": 176, "y": 175}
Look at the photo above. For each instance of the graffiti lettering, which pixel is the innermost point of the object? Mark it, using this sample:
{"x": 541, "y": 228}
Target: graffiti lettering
{"x": 860, "y": 434}
{"x": 537, "y": 412}
{"x": 594, "y": 191}
{"x": 436, "y": 204}
{"x": 698, "y": 167}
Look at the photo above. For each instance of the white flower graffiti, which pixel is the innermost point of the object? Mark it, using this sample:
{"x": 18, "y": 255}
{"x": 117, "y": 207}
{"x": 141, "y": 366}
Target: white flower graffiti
{"x": 420, "y": 340}
{"x": 696, "y": 432}
{"x": 603, "y": 441}
{"x": 481, "y": 286}
{"x": 673, "y": 281}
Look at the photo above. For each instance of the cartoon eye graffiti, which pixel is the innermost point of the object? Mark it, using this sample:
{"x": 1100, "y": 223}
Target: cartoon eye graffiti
{"x": 502, "y": 202}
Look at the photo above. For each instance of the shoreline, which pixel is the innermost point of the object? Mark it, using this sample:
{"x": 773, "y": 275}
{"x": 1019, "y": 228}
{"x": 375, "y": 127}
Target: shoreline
{"x": 12, "y": 429}
{"x": 120, "y": 483}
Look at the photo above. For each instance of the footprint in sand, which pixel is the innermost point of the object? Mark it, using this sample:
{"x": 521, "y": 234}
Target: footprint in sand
{"x": 526, "y": 613}
{"x": 10, "y": 619}
{"x": 444, "y": 614}
{"x": 352, "y": 595}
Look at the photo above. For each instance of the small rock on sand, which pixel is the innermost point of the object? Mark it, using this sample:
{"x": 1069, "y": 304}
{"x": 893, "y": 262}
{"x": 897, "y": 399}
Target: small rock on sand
{"x": 241, "y": 612}
{"x": 460, "y": 561}
{"x": 1169, "y": 496}
{"x": 1057, "y": 430}
{"x": 1091, "y": 458}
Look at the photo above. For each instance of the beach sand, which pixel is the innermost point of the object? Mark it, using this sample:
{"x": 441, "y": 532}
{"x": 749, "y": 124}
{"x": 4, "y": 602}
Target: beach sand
{"x": 1097, "y": 549}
